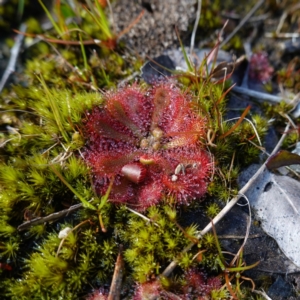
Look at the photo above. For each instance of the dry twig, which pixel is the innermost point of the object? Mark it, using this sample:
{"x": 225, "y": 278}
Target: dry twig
{"x": 116, "y": 283}
{"x": 242, "y": 23}
{"x": 262, "y": 293}
{"x": 15, "y": 50}
{"x": 50, "y": 218}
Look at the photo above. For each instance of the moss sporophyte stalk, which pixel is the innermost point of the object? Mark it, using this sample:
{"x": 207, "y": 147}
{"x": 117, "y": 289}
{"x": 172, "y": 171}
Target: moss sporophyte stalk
{"x": 148, "y": 141}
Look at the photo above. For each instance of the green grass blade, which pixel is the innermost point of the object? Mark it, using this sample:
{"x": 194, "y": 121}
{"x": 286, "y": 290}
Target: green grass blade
{"x": 190, "y": 67}
{"x": 84, "y": 202}
{"x": 56, "y": 27}
{"x": 55, "y": 109}
{"x": 86, "y": 65}
{"x": 21, "y": 5}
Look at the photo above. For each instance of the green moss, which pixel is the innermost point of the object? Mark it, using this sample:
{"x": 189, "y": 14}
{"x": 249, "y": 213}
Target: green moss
{"x": 219, "y": 294}
{"x": 212, "y": 210}
{"x": 9, "y": 249}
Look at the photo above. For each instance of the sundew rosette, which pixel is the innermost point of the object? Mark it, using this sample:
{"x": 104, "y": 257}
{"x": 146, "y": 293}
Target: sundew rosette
{"x": 148, "y": 141}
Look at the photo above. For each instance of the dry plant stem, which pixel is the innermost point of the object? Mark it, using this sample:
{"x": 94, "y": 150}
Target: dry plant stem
{"x": 262, "y": 293}
{"x": 195, "y": 27}
{"x": 52, "y": 217}
{"x": 228, "y": 206}
{"x": 295, "y": 127}
{"x": 238, "y": 237}
{"x": 199, "y": 253}
{"x": 210, "y": 138}
{"x": 15, "y": 50}
{"x": 131, "y": 25}
{"x": 261, "y": 97}
{"x": 55, "y": 216}
{"x": 252, "y": 125}
{"x": 142, "y": 216}
{"x": 257, "y": 95}
{"x": 242, "y": 23}
{"x": 116, "y": 283}
{"x": 287, "y": 35}
{"x": 240, "y": 120}
{"x": 230, "y": 169}
{"x": 62, "y": 42}
{"x": 245, "y": 238}
{"x": 111, "y": 15}
{"x": 284, "y": 16}
{"x": 236, "y": 17}
{"x": 80, "y": 43}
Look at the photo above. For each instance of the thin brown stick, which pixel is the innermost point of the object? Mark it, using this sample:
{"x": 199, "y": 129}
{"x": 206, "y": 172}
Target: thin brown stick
{"x": 57, "y": 41}
{"x": 243, "y": 22}
{"x": 86, "y": 42}
{"x": 234, "y": 127}
{"x": 132, "y": 24}
{"x": 261, "y": 97}
{"x": 263, "y": 294}
{"x": 287, "y": 35}
{"x": 238, "y": 237}
{"x": 50, "y": 218}
{"x": 116, "y": 283}
{"x": 284, "y": 16}
{"x": 15, "y": 50}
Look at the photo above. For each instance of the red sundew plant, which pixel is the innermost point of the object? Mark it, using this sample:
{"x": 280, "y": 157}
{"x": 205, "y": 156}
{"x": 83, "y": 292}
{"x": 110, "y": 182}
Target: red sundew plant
{"x": 148, "y": 142}
{"x": 100, "y": 294}
{"x": 148, "y": 290}
{"x": 260, "y": 68}
{"x": 196, "y": 285}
